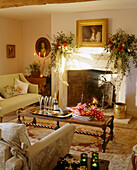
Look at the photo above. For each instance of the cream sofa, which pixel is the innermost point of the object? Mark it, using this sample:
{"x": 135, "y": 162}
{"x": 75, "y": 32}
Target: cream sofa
{"x": 19, "y": 101}
{"x": 42, "y": 155}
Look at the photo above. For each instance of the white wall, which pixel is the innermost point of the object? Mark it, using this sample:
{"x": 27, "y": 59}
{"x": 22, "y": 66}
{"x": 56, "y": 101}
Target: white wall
{"x": 32, "y": 31}
{"x": 125, "y": 19}
{"x": 10, "y": 33}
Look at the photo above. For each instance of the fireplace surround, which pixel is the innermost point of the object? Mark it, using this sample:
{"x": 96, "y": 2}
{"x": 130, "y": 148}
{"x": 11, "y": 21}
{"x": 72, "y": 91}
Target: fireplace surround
{"x": 87, "y": 59}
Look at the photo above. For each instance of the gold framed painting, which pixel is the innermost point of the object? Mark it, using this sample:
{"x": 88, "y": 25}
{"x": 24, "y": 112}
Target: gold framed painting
{"x": 92, "y": 33}
{"x": 42, "y": 47}
{"x": 10, "y": 51}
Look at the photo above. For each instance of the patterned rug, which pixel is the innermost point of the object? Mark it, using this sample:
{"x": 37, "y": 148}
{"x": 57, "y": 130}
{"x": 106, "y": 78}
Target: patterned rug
{"x": 118, "y": 151}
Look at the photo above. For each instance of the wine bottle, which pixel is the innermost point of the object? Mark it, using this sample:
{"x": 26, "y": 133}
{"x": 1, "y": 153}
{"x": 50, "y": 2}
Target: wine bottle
{"x": 55, "y": 104}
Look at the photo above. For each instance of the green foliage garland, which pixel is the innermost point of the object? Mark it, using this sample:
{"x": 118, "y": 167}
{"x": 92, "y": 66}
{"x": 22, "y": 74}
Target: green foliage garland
{"x": 122, "y": 46}
{"x": 62, "y": 46}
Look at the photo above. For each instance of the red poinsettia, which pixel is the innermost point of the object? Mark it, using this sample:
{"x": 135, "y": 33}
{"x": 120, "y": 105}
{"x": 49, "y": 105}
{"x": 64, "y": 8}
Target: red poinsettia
{"x": 120, "y": 48}
{"x": 64, "y": 43}
{"x": 57, "y": 46}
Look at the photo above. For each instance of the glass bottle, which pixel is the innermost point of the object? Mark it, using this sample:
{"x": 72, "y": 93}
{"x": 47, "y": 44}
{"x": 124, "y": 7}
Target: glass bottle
{"x": 55, "y": 104}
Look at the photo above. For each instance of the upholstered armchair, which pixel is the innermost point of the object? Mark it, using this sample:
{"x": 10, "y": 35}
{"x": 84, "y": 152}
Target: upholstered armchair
{"x": 134, "y": 156}
{"x": 17, "y": 153}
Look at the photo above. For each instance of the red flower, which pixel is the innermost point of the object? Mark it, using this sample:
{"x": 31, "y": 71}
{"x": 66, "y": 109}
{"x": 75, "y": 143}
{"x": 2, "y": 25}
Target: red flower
{"x": 57, "y": 45}
{"x": 111, "y": 47}
{"x": 120, "y": 48}
{"x": 65, "y": 43}
{"x": 110, "y": 42}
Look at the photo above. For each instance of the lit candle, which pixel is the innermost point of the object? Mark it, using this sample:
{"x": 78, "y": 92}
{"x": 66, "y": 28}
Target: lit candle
{"x": 39, "y": 53}
{"x": 44, "y": 54}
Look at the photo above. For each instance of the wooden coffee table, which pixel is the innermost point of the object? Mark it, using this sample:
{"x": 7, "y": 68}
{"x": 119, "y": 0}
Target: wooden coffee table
{"x": 106, "y": 123}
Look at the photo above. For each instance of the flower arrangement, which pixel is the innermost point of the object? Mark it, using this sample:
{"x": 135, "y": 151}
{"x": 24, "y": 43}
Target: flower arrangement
{"x": 62, "y": 46}
{"x": 35, "y": 67}
{"x": 121, "y": 46}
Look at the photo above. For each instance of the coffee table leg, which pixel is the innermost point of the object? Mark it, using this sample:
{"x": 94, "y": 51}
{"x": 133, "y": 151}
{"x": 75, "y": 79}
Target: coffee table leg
{"x": 57, "y": 126}
{"x": 34, "y": 121}
{"x": 104, "y": 139}
{"x": 111, "y": 128}
{"x": 18, "y": 117}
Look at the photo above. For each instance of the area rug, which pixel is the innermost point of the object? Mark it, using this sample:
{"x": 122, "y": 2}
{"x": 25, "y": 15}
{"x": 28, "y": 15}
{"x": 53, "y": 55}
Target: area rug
{"x": 118, "y": 151}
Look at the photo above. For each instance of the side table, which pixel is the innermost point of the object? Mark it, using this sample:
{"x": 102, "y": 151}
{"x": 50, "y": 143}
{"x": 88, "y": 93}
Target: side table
{"x": 40, "y": 81}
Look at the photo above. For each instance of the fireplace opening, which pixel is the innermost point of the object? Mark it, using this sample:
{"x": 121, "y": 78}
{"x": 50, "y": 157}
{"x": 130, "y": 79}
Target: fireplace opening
{"x": 86, "y": 85}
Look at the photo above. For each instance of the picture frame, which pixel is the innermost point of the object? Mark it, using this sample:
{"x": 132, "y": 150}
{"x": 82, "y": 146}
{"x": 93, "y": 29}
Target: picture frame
{"x": 42, "y": 47}
{"x": 10, "y": 51}
{"x": 92, "y": 33}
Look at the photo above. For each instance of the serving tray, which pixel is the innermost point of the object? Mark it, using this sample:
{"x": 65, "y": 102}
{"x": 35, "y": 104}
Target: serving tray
{"x": 48, "y": 112}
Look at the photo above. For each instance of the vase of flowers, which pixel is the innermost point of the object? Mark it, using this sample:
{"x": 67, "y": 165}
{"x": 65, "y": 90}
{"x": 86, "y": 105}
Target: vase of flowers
{"x": 35, "y": 69}
{"x": 121, "y": 46}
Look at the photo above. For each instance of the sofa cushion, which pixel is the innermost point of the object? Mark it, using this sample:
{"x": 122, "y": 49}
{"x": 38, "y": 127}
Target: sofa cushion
{"x": 21, "y": 87}
{"x": 8, "y": 91}
{"x": 17, "y": 102}
{"x": 14, "y": 132}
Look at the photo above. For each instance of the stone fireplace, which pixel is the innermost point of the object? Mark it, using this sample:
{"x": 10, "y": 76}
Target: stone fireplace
{"x": 86, "y": 71}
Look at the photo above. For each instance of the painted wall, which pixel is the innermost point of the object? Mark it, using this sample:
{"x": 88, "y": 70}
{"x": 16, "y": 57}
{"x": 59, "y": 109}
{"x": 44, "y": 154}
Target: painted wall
{"x": 32, "y": 31}
{"x": 125, "y": 19}
{"x": 10, "y": 33}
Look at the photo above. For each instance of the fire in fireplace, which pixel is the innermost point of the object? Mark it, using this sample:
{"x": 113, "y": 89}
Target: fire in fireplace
{"x": 84, "y": 85}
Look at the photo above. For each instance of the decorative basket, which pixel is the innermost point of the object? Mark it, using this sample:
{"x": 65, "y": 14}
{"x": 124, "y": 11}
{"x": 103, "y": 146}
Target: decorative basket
{"x": 120, "y": 110}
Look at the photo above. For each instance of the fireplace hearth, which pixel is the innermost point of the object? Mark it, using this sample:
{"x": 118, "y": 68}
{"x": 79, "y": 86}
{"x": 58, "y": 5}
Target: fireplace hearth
{"x": 84, "y": 85}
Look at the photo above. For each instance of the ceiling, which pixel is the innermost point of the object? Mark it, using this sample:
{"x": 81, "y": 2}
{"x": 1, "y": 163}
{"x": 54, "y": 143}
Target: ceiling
{"x": 38, "y": 11}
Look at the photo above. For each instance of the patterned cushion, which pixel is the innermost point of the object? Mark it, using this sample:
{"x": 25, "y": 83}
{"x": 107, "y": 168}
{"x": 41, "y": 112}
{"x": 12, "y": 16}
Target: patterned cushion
{"x": 8, "y": 92}
{"x": 14, "y": 132}
{"x": 21, "y": 87}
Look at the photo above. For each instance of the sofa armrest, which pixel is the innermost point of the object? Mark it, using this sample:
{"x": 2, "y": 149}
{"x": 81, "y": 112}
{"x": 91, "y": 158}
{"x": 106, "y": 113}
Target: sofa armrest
{"x": 33, "y": 88}
{"x": 5, "y": 154}
{"x": 45, "y": 153}
{"x": 14, "y": 163}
